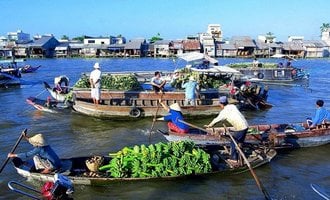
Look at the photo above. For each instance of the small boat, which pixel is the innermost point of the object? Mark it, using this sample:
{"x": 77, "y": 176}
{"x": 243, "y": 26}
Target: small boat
{"x": 320, "y": 191}
{"x": 77, "y": 171}
{"x": 270, "y": 72}
{"x": 29, "y": 69}
{"x": 9, "y": 73}
{"x": 59, "y": 96}
{"x": 275, "y": 135}
{"x": 9, "y": 77}
{"x": 48, "y": 105}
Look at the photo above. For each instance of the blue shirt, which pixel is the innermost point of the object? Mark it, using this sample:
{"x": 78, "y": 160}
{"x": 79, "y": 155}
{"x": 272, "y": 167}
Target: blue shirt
{"x": 190, "y": 89}
{"x": 174, "y": 117}
{"x": 320, "y": 115}
{"x": 45, "y": 152}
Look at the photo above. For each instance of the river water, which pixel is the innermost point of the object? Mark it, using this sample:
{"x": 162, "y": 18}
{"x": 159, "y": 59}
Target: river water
{"x": 288, "y": 176}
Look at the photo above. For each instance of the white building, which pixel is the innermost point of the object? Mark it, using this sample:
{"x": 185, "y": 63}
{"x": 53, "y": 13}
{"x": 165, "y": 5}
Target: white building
{"x": 215, "y": 31}
{"x": 18, "y": 36}
{"x": 295, "y": 38}
{"x": 97, "y": 40}
{"x": 265, "y": 39}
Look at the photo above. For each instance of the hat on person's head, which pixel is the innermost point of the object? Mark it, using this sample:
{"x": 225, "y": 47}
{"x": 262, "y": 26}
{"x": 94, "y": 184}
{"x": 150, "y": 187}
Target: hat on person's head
{"x": 176, "y": 107}
{"x": 176, "y": 71}
{"x": 191, "y": 78}
{"x": 38, "y": 140}
{"x": 223, "y": 99}
{"x": 97, "y": 65}
{"x": 57, "y": 80}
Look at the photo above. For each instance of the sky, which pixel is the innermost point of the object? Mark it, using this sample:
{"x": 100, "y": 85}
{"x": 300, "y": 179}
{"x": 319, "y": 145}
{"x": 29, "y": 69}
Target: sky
{"x": 172, "y": 19}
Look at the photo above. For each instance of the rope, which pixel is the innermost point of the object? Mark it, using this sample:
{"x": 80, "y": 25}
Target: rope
{"x": 41, "y": 92}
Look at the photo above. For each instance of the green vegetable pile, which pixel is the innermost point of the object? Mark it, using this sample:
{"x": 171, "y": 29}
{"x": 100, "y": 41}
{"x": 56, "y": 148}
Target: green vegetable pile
{"x": 157, "y": 160}
{"x": 112, "y": 82}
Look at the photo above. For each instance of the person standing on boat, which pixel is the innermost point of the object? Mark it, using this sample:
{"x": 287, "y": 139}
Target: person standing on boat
{"x": 95, "y": 82}
{"x": 321, "y": 114}
{"x": 174, "y": 118}
{"x": 158, "y": 82}
{"x": 44, "y": 156}
{"x": 230, "y": 113}
{"x": 191, "y": 91}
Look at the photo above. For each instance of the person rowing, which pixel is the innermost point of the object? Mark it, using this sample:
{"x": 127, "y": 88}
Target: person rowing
{"x": 230, "y": 113}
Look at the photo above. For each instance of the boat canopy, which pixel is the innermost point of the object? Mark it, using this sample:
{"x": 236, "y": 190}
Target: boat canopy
{"x": 195, "y": 56}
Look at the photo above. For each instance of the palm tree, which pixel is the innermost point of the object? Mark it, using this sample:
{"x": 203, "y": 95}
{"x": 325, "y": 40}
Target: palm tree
{"x": 325, "y": 27}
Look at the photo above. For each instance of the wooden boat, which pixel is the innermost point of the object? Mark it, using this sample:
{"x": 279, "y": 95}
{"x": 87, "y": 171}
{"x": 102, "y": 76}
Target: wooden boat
{"x": 9, "y": 77}
{"x": 75, "y": 168}
{"x": 29, "y": 69}
{"x": 48, "y": 105}
{"x": 138, "y": 104}
{"x": 320, "y": 191}
{"x": 274, "y": 135}
{"x": 270, "y": 72}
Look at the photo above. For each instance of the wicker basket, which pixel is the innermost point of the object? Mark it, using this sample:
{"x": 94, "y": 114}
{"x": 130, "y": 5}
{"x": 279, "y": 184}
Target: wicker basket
{"x": 94, "y": 163}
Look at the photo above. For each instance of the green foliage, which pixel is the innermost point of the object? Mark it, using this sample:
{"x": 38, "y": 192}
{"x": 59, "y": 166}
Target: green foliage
{"x": 324, "y": 27}
{"x": 157, "y": 160}
{"x": 112, "y": 82}
{"x": 155, "y": 38}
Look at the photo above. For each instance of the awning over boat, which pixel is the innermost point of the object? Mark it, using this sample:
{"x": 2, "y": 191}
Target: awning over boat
{"x": 194, "y": 56}
{"x": 282, "y": 56}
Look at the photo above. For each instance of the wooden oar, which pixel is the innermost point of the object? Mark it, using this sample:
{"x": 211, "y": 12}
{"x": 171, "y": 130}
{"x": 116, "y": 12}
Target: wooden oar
{"x": 154, "y": 119}
{"x": 194, "y": 126}
{"x": 259, "y": 184}
{"x": 13, "y": 149}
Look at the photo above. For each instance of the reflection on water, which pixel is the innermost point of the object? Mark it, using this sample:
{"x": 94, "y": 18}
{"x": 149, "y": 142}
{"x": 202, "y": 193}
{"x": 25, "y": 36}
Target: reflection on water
{"x": 287, "y": 177}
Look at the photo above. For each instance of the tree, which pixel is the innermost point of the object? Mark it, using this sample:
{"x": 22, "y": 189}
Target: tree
{"x": 79, "y": 38}
{"x": 155, "y": 38}
{"x": 325, "y": 27}
{"x": 64, "y": 37}
{"x": 270, "y": 37}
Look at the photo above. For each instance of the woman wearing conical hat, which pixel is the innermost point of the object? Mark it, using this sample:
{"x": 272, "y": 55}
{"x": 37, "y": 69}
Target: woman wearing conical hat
{"x": 44, "y": 157}
{"x": 174, "y": 118}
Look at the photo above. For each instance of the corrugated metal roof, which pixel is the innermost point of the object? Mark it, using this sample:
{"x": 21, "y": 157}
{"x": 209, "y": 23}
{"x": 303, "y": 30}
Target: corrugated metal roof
{"x": 314, "y": 43}
{"x": 242, "y": 41}
{"x": 293, "y": 46}
{"x": 135, "y": 44}
{"x": 227, "y": 46}
{"x": 40, "y": 42}
{"x": 191, "y": 45}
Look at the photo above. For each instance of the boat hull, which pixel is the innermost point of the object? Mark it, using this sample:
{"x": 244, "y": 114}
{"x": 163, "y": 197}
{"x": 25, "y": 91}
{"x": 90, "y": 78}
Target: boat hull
{"x": 76, "y": 168}
{"x": 275, "y": 135}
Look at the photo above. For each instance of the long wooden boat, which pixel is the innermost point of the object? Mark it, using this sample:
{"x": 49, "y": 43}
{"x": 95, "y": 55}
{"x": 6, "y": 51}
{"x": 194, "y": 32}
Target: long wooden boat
{"x": 145, "y": 103}
{"x": 9, "y": 77}
{"x": 275, "y": 135}
{"x": 270, "y": 72}
{"x": 48, "y": 105}
{"x": 320, "y": 191}
{"x": 29, "y": 69}
{"x": 75, "y": 168}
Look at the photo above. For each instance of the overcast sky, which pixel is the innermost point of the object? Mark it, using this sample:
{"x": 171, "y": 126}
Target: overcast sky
{"x": 173, "y": 19}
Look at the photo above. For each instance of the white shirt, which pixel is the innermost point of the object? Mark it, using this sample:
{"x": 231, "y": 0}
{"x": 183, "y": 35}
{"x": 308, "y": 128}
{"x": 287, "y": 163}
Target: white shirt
{"x": 233, "y": 116}
{"x": 96, "y": 75}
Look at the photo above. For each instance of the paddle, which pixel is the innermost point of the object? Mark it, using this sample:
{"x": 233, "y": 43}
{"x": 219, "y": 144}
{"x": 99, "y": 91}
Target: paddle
{"x": 260, "y": 186}
{"x": 14, "y": 148}
{"x": 194, "y": 126}
{"x": 154, "y": 119}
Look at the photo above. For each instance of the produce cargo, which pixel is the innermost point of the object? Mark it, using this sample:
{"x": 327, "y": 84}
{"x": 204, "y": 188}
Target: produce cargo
{"x": 157, "y": 160}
